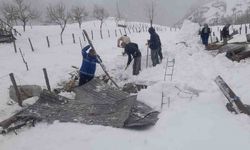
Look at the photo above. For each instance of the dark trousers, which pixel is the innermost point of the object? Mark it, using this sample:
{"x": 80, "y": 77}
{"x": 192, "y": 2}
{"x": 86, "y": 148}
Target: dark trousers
{"x": 160, "y": 54}
{"x": 154, "y": 56}
{"x": 84, "y": 79}
{"x": 137, "y": 65}
{"x": 205, "y": 40}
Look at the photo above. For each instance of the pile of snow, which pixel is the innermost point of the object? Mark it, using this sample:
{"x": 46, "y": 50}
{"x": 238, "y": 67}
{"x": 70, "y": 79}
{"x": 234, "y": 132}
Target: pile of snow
{"x": 189, "y": 30}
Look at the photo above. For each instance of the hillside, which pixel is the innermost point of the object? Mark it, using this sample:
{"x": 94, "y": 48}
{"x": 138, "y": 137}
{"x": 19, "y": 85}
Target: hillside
{"x": 216, "y": 11}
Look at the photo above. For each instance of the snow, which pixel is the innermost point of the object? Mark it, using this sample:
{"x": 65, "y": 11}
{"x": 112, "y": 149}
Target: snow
{"x": 210, "y": 11}
{"x": 193, "y": 118}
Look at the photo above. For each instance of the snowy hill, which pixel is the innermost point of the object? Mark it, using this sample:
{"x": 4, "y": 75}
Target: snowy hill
{"x": 213, "y": 11}
{"x": 193, "y": 118}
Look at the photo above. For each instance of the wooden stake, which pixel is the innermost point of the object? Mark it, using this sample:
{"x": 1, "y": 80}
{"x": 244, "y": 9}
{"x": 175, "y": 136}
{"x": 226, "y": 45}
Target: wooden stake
{"x": 47, "y": 38}
{"x": 14, "y": 43}
{"x": 31, "y": 46}
{"x": 120, "y": 32}
{"x": 73, "y": 36}
{"x": 83, "y": 37}
{"x": 108, "y": 33}
{"x": 92, "y": 34}
{"x": 24, "y": 61}
{"x": 101, "y": 34}
{"x": 46, "y": 79}
{"x": 80, "y": 42}
{"x": 16, "y": 89}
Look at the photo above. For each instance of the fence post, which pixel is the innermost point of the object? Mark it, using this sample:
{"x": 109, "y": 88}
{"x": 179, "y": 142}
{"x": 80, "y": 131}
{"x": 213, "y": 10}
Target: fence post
{"x": 24, "y": 61}
{"x": 80, "y": 42}
{"x": 125, "y": 30}
{"x": 46, "y": 79}
{"x": 83, "y": 36}
{"x": 120, "y": 31}
{"x": 115, "y": 33}
{"x": 47, "y": 38}
{"x": 16, "y": 89}
{"x": 108, "y": 33}
{"x": 31, "y": 46}
{"x": 101, "y": 34}
{"x": 14, "y": 43}
{"x": 92, "y": 34}
{"x": 73, "y": 36}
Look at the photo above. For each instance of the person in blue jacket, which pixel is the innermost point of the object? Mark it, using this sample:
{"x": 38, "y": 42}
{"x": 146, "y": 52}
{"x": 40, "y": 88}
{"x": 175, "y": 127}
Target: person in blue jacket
{"x": 88, "y": 68}
{"x": 205, "y": 33}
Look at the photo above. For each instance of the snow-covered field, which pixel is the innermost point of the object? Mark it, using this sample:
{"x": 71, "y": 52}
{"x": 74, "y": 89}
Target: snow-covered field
{"x": 195, "y": 118}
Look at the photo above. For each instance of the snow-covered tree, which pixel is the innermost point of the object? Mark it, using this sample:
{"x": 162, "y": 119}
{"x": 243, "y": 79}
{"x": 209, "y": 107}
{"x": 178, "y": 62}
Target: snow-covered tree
{"x": 59, "y": 15}
{"x": 79, "y": 14}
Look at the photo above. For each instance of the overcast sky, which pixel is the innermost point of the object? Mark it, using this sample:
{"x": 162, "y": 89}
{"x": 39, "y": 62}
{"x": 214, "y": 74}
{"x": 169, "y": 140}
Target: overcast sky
{"x": 168, "y": 11}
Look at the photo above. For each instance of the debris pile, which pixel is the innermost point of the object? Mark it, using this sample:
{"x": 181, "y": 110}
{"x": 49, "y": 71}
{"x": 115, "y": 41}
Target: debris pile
{"x": 96, "y": 103}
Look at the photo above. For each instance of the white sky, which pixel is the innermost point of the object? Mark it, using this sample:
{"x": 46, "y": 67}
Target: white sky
{"x": 168, "y": 11}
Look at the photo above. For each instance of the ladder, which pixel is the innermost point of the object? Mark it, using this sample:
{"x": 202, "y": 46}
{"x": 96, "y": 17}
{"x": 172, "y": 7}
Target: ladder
{"x": 169, "y": 71}
{"x": 169, "y": 66}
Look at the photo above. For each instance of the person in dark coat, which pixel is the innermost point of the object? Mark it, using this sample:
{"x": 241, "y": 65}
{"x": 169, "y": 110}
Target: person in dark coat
{"x": 155, "y": 45}
{"x": 132, "y": 50}
{"x": 88, "y": 68}
{"x": 205, "y": 33}
{"x": 225, "y": 33}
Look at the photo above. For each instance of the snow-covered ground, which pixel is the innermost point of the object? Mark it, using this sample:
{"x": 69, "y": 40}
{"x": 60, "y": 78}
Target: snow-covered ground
{"x": 194, "y": 117}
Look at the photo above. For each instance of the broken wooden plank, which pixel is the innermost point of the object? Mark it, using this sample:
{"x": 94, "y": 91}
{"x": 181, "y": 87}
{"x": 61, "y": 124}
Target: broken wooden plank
{"x": 231, "y": 96}
{"x": 236, "y": 48}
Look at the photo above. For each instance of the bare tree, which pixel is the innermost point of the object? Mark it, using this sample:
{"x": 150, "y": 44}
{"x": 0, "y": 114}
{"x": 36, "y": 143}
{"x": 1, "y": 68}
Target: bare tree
{"x": 59, "y": 15}
{"x": 101, "y": 14}
{"x": 9, "y": 13}
{"x": 24, "y": 12}
{"x": 151, "y": 11}
{"x": 79, "y": 14}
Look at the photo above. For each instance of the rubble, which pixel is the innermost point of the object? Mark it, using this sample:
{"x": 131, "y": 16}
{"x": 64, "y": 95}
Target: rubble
{"x": 96, "y": 103}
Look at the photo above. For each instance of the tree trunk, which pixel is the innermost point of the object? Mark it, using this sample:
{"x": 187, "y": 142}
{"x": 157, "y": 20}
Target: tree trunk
{"x": 24, "y": 25}
{"x": 80, "y": 23}
{"x": 63, "y": 28}
{"x": 101, "y": 29}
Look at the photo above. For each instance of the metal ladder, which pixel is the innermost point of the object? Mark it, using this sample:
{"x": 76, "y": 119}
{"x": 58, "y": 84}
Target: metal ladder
{"x": 169, "y": 66}
{"x": 169, "y": 71}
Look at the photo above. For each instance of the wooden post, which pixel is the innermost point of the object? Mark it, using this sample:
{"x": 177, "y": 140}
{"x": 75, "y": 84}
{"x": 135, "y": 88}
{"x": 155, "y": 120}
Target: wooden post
{"x": 47, "y": 38}
{"x": 24, "y": 61}
{"x": 80, "y": 42}
{"x": 46, "y": 79}
{"x": 101, "y": 34}
{"x": 120, "y": 31}
{"x": 31, "y": 46}
{"x": 108, "y": 33}
{"x": 73, "y": 36}
{"x": 125, "y": 30}
{"x": 14, "y": 43}
{"x": 92, "y": 34}
{"x": 115, "y": 33}
{"x": 83, "y": 36}
{"x": 16, "y": 89}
